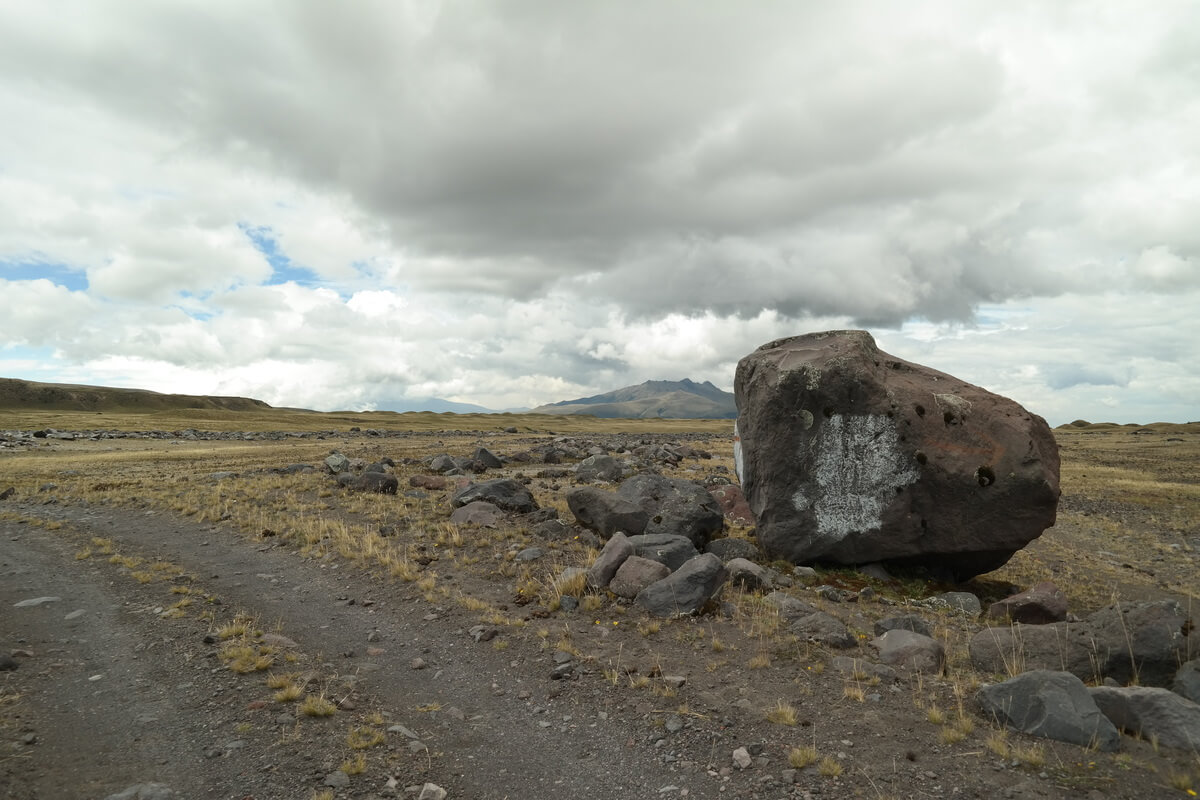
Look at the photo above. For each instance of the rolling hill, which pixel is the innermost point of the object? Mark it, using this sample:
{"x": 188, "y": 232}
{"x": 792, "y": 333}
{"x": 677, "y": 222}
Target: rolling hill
{"x": 21, "y": 394}
{"x": 683, "y": 399}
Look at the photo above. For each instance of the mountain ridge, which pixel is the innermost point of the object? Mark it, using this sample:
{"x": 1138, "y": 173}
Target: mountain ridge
{"x": 683, "y": 399}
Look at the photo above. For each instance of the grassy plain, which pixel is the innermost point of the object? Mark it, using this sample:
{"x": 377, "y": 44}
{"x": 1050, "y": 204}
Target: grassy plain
{"x": 1128, "y": 528}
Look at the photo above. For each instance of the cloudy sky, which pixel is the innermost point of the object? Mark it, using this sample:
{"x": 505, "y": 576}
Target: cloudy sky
{"x": 343, "y": 205}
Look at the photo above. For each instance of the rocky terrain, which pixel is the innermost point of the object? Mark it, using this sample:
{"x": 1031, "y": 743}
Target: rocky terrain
{"x": 211, "y": 614}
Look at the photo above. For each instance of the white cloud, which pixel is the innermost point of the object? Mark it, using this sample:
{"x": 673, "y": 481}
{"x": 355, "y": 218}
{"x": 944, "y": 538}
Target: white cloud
{"x": 506, "y": 206}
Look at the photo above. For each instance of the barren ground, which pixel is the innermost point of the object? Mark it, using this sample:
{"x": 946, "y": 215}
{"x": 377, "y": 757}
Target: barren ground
{"x": 161, "y": 660}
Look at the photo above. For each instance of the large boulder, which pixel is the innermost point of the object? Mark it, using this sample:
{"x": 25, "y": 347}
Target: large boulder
{"x": 1128, "y": 642}
{"x": 606, "y": 513}
{"x": 686, "y": 590}
{"x": 505, "y": 493}
{"x": 671, "y": 551}
{"x": 635, "y": 574}
{"x": 675, "y": 506}
{"x": 1156, "y": 714}
{"x": 611, "y": 557}
{"x": 849, "y": 455}
{"x": 1053, "y": 705}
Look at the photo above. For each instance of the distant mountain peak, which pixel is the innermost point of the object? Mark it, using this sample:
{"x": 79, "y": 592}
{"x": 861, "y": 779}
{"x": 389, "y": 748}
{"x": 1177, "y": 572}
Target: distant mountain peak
{"x": 682, "y": 399}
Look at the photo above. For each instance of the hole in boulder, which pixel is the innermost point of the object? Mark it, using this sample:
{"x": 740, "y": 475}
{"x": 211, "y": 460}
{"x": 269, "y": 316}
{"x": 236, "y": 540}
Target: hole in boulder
{"x": 948, "y": 418}
{"x": 921, "y": 457}
{"x": 985, "y": 476}
{"x": 827, "y": 411}
{"x": 920, "y": 409}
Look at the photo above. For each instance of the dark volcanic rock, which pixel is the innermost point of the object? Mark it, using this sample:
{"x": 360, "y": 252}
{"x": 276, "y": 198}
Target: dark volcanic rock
{"x": 686, "y": 590}
{"x": 606, "y": 513}
{"x": 673, "y": 551}
{"x": 599, "y": 468}
{"x": 1151, "y": 713}
{"x": 1142, "y": 642}
{"x": 477, "y": 512}
{"x": 615, "y": 551}
{"x": 376, "y": 482}
{"x": 729, "y": 547}
{"x": 850, "y": 455}
{"x": 675, "y": 506}
{"x": 635, "y": 574}
{"x": 504, "y": 493}
{"x": 1040, "y": 604}
{"x": 733, "y": 504}
{"x": 1053, "y": 705}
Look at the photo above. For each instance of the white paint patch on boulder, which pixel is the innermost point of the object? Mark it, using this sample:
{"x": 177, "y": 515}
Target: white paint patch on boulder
{"x": 859, "y": 465}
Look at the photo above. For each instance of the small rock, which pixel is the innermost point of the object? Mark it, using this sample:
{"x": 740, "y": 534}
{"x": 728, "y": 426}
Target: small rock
{"x": 337, "y": 779}
{"x": 7, "y": 663}
{"x": 418, "y": 663}
{"x": 144, "y": 791}
{"x": 530, "y": 554}
{"x": 741, "y": 758}
{"x": 36, "y": 601}
{"x": 431, "y": 791}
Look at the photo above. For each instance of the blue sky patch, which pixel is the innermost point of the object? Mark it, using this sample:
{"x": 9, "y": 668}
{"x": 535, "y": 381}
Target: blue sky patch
{"x": 263, "y": 239}
{"x": 73, "y": 279}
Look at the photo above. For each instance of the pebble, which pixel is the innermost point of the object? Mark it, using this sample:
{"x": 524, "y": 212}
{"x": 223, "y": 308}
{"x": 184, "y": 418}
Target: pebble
{"x": 418, "y": 663}
{"x": 431, "y": 791}
{"x": 403, "y": 731}
{"x": 337, "y": 780}
{"x": 76, "y": 614}
{"x": 530, "y": 554}
{"x": 144, "y": 791}
{"x": 741, "y": 758}
{"x": 36, "y": 601}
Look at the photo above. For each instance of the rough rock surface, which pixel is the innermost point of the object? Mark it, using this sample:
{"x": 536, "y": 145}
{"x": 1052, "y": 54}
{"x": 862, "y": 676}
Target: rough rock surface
{"x": 905, "y": 622}
{"x": 599, "y": 468}
{"x": 729, "y": 548}
{"x": 611, "y": 557}
{"x": 1053, "y": 705}
{"x": 686, "y": 590}
{"x": 675, "y": 506}
{"x": 477, "y": 512}
{"x": 910, "y": 651}
{"x": 606, "y": 512}
{"x": 635, "y": 574}
{"x": 823, "y": 628}
{"x": 733, "y": 504}
{"x": 376, "y": 483}
{"x": 665, "y": 548}
{"x": 336, "y": 462}
{"x": 748, "y": 575}
{"x": 1040, "y": 604}
{"x": 1145, "y": 642}
{"x": 1187, "y": 680}
{"x": 504, "y": 493}
{"x": 1151, "y": 713}
{"x": 850, "y": 455}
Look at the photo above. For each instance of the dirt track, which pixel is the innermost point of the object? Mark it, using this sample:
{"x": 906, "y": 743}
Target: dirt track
{"x": 160, "y": 705}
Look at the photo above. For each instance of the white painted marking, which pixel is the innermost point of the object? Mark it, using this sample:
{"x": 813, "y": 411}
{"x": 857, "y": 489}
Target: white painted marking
{"x": 858, "y": 464}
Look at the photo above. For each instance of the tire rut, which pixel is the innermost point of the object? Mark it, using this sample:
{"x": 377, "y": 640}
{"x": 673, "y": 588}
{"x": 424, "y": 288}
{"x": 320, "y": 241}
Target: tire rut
{"x": 505, "y": 730}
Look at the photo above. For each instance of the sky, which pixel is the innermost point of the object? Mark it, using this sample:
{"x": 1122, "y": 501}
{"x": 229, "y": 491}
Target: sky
{"x": 353, "y": 205}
